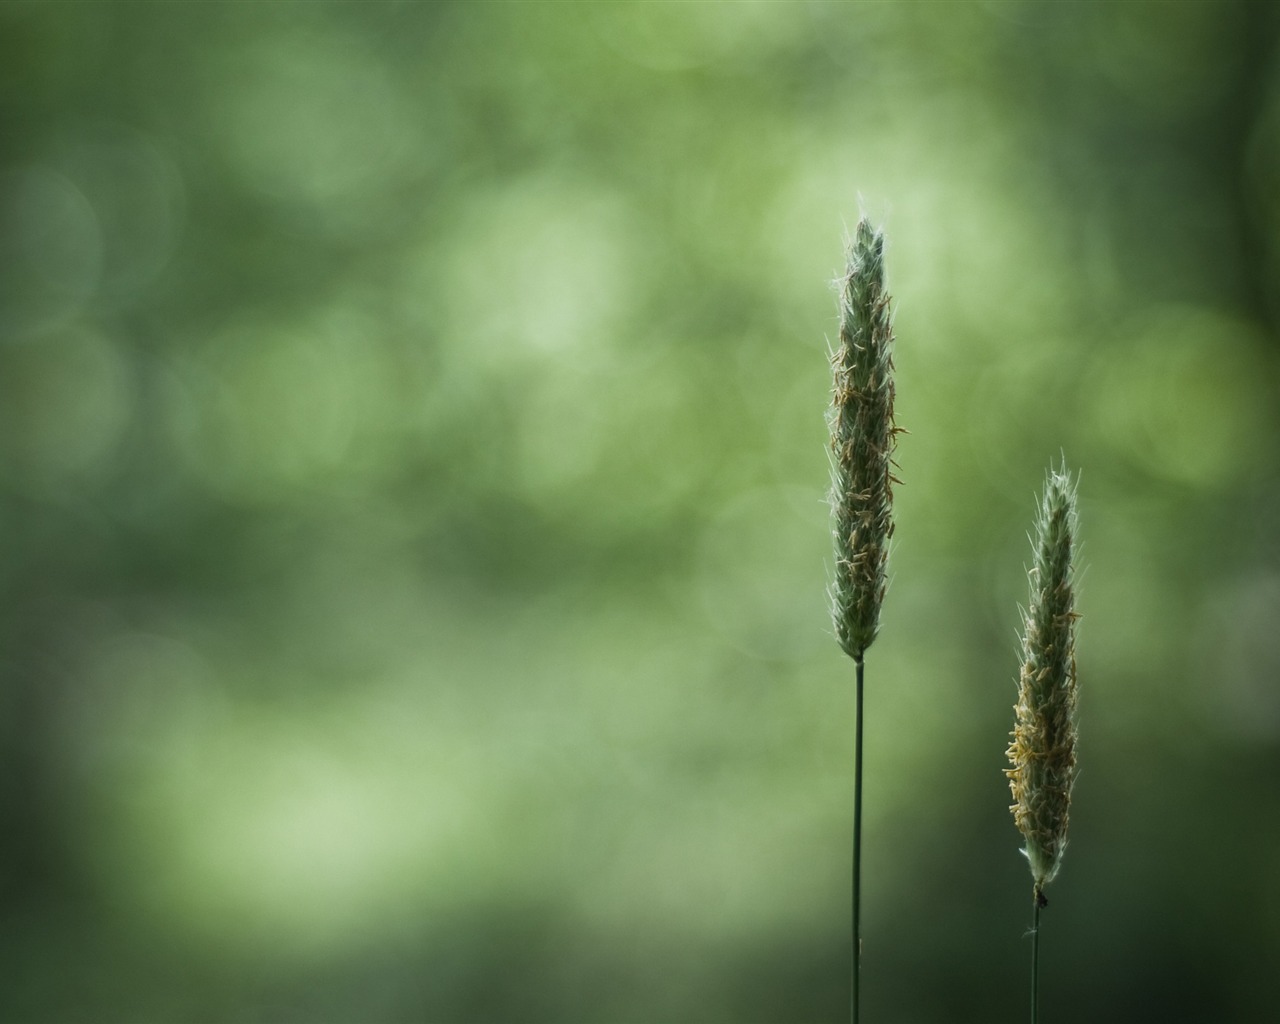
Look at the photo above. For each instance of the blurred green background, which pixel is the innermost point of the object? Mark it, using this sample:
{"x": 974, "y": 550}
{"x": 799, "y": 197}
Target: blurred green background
{"x": 413, "y": 535}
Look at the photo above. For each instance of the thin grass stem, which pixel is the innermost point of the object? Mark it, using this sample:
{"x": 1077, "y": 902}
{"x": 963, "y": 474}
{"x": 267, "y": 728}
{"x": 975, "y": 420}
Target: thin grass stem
{"x": 1037, "y": 902}
{"x": 857, "y": 844}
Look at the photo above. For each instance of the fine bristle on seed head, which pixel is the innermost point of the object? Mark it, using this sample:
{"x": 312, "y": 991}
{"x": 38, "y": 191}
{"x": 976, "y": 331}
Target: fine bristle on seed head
{"x": 1043, "y": 751}
{"x": 863, "y": 436}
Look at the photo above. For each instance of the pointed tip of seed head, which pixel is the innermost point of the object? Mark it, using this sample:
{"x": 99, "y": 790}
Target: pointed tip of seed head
{"x": 1060, "y": 479}
{"x": 867, "y": 244}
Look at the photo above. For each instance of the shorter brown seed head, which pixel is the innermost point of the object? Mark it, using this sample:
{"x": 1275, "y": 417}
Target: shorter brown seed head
{"x": 1043, "y": 751}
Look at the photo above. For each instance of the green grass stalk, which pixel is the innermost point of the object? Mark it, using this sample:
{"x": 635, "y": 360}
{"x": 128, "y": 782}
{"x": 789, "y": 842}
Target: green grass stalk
{"x": 1043, "y": 751}
{"x": 856, "y": 934}
{"x": 863, "y": 436}
{"x": 1037, "y": 902}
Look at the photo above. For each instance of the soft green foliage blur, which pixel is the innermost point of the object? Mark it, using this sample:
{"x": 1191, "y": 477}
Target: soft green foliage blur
{"x": 413, "y": 534}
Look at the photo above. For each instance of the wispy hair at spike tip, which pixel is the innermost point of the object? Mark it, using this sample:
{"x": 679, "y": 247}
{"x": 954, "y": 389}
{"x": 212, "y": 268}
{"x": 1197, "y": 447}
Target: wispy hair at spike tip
{"x": 1043, "y": 751}
{"x": 863, "y": 436}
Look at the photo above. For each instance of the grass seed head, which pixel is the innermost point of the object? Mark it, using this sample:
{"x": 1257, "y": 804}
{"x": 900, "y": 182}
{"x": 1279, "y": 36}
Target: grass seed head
{"x": 1043, "y": 751}
{"x": 863, "y": 436}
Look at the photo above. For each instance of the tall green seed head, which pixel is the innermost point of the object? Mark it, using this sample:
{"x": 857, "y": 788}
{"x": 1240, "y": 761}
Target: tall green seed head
{"x": 862, "y": 443}
{"x": 1043, "y": 751}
